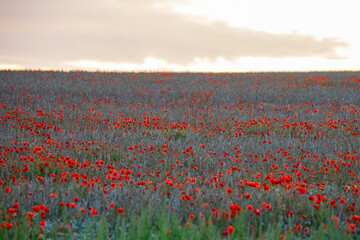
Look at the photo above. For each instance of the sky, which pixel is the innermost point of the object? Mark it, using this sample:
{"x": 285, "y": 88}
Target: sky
{"x": 180, "y": 35}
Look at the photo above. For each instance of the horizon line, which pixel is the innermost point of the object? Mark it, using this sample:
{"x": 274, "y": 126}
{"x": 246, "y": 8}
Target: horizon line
{"x": 167, "y": 71}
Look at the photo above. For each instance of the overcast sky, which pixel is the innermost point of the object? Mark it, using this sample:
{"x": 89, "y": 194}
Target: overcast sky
{"x": 195, "y": 35}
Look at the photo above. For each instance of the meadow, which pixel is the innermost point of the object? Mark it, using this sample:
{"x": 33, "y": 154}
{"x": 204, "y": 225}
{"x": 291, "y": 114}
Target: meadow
{"x": 154, "y": 155}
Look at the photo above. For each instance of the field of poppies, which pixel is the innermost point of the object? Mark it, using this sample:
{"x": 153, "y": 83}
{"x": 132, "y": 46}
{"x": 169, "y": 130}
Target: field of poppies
{"x": 155, "y": 155}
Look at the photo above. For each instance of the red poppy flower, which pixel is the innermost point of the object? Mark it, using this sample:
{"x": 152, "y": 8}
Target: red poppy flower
{"x": 142, "y": 183}
{"x": 231, "y": 230}
{"x": 247, "y": 195}
{"x": 302, "y": 190}
{"x": 94, "y": 212}
{"x": 356, "y": 218}
{"x": 36, "y": 209}
{"x": 186, "y": 197}
{"x": 9, "y": 226}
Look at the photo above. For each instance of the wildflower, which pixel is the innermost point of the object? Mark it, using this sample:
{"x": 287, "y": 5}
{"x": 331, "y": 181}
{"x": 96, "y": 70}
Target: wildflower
{"x": 225, "y": 232}
{"x": 30, "y": 215}
{"x": 9, "y": 226}
{"x": 231, "y": 230}
{"x": 247, "y": 195}
{"x": 42, "y": 207}
{"x": 36, "y": 209}
{"x": 356, "y": 218}
{"x": 352, "y": 227}
{"x": 352, "y": 208}
{"x": 302, "y": 190}
{"x": 142, "y": 183}
{"x": 94, "y": 212}
{"x": 234, "y": 210}
{"x": 16, "y": 205}
{"x": 186, "y": 197}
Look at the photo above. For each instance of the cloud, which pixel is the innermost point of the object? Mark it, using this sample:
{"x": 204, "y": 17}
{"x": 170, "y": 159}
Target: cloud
{"x": 51, "y": 32}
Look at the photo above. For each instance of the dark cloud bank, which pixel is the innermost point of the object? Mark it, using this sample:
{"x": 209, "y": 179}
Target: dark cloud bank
{"x": 130, "y": 31}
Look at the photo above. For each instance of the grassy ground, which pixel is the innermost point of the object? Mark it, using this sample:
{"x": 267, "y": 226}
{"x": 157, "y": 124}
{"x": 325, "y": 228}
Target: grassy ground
{"x": 179, "y": 155}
